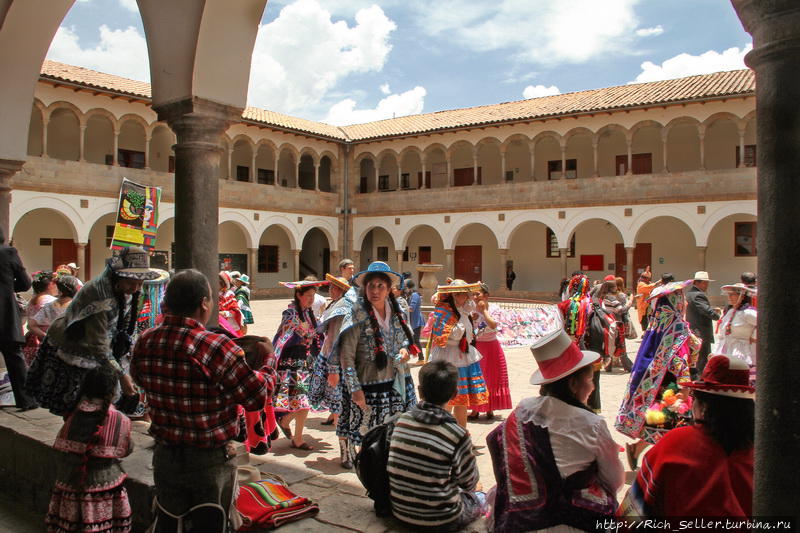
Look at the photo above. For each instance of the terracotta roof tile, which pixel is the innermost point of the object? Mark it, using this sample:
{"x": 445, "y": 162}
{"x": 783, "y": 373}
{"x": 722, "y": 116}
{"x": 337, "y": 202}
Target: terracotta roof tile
{"x": 719, "y": 84}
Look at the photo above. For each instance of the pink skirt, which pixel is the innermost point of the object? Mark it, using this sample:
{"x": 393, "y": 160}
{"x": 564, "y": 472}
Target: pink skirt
{"x": 495, "y": 374}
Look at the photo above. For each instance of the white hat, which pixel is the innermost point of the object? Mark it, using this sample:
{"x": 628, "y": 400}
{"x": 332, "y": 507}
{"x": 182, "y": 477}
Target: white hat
{"x": 701, "y": 275}
{"x": 73, "y": 266}
{"x": 740, "y": 287}
{"x": 558, "y": 357}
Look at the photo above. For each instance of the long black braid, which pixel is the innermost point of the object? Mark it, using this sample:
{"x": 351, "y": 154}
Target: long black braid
{"x": 381, "y": 358}
{"x": 124, "y": 334}
{"x": 452, "y": 303}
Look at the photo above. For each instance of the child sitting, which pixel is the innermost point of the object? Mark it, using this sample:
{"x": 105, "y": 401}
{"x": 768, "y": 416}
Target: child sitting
{"x": 432, "y": 469}
{"x": 88, "y": 494}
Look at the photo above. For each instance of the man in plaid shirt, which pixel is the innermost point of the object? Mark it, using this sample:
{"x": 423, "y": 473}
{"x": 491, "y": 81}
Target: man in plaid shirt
{"x": 194, "y": 380}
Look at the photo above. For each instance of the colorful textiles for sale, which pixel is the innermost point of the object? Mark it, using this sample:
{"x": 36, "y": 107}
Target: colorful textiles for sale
{"x": 522, "y": 327}
{"x": 270, "y": 503}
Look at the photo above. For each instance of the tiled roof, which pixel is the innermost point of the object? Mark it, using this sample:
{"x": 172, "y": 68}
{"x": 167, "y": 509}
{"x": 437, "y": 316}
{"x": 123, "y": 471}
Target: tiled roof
{"x": 716, "y": 85}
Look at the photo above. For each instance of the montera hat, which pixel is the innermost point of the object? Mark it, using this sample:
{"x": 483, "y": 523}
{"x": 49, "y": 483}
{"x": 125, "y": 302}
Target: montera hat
{"x": 740, "y": 287}
{"x": 133, "y": 263}
{"x": 725, "y": 376}
{"x": 378, "y": 267}
{"x": 669, "y": 288}
{"x": 558, "y": 356}
{"x": 337, "y": 282}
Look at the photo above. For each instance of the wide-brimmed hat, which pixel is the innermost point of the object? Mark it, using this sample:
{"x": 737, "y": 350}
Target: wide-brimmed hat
{"x": 725, "y": 376}
{"x": 225, "y": 276}
{"x": 458, "y": 285}
{"x": 669, "y": 288}
{"x": 558, "y": 356}
{"x": 378, "y": 267}
{"x": 337, "y": 282}
{"x": 701, "y": 275}
{"x": 162, "y": 277}
{"x": 303, "y": 284}
{"x": 132, "y": 263}
{"x": 740, "y": 287}
{"x": 244, "y": 279}
{"x": 73, "y": 266}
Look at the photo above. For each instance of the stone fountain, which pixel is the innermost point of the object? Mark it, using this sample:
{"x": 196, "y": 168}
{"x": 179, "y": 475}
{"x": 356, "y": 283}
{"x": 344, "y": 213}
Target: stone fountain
{"x": 428, "y": 282}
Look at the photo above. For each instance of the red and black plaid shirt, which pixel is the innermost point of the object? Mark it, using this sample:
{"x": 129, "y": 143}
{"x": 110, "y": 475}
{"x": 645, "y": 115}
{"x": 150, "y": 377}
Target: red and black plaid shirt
{"x": 194, "y": 379}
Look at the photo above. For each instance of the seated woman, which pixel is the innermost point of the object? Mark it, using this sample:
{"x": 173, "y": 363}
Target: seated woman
{"x": 554, "y": 459}
{"x": 705, "y": 469}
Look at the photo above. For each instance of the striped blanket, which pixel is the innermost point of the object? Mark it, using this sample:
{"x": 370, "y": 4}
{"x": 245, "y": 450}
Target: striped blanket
{"x": 270, "y": 503}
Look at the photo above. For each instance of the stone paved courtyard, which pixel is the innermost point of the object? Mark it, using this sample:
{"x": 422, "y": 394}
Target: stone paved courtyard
{"x": 317, "y": 474}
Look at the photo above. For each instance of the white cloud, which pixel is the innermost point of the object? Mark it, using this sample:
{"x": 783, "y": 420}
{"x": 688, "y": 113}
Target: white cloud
{"x": 385, "y": 89}
{"x": 120, "y": 52}
{"x": 301, "y": 56}
{"x": 689, "y": 65}
{"x": 396, "y": 105}
{"x": 130, "y": 5}
{"x": 650, "y": 32}
{"x": 545, "y": 32}
{"x": 535, "y": 91}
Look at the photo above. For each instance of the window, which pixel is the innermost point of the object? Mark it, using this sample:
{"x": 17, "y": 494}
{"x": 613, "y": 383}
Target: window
{"x": 749, "y": 155}
{"x": 405, "y": 181}
{"x": 171, "y": 164}
{"x": 509, "y": 175}
{"x": 383, "y": 182}
{"x": 744, "y": 239}
{"x": 362, "y": 188}
{"x": 642, "y": 164}
{"x": 267, "y": 258}
{"x": 554, "y": 169}
{"x": 242, "y": 173}
{"x": 109, "y": 235}
{"x": 405, "y": 255}
{"x": 130, "y": 158}
{"x": 266, "y": 176}
{"x": 552, "y": 245}
{"x": 383, "y": 253}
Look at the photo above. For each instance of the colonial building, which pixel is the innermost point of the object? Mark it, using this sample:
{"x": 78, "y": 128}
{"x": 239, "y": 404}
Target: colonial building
{"x": 606, "y": 181}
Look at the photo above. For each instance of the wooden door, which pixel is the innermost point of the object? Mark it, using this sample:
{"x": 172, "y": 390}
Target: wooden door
{"x": 468, "y": 263}
{"x": 64, "y": 251}
{"x": 642, "y": 163}
{"x": 621, "y": 166}
{"x": 424, "y": 256}
{"x": 641, "y": 258}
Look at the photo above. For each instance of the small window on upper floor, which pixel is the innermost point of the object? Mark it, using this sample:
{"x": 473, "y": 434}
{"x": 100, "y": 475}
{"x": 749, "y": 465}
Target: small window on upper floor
{"x": 242, "y": 173}
{"x": 130, "y": 158}
{"x": 266, "y": 176}
{"x": 744, "y": 239}
{"x": 749, "y": 155}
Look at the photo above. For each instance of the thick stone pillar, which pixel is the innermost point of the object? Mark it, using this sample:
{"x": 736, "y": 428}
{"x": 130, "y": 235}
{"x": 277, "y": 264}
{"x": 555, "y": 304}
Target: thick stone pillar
{"x": 448, "y": 263}
{"x": 775, "y": 27}
{"x": 296, "y": 263}
{"x": 630, "y": 271}
{"x": 503, "y": 253}
{"x": 252, "y": 266}
{"x": 562, "y": 255}
{"x": 701, "y": 257}
{"x": 80, "y": 248}
{"x": 199, "y": 126}
{"x": 8, "y": 167}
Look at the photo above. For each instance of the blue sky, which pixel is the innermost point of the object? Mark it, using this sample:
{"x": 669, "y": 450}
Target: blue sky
{"x": 352, "y": 61}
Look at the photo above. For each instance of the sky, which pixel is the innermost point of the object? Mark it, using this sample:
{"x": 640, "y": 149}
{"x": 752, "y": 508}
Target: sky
{"x": 354, "y": 61}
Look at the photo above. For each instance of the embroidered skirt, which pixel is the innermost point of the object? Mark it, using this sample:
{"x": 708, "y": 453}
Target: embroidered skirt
{"x": 495, "y": 375}
{"x": 55, "y": 384}
{"x": 101, "y": 511}
{"x": 383, "y": 401}
{"x": 471, "y": 387}
{"x": 294, "y": 377}
{"x": 322, "y": 396}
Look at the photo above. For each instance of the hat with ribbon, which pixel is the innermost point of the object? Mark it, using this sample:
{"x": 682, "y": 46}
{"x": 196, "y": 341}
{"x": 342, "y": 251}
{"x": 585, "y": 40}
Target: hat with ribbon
{"x": 669, "y": 288}
{"x": 701, "y": 275}
{"x": 725, "y": 376}
{"x": 337, "y": 282}
{"x": 558, "y": 356}
{"x": 740, "y": 288}
{"x": 378, "y": 267}
{"x": 132, "y": 263}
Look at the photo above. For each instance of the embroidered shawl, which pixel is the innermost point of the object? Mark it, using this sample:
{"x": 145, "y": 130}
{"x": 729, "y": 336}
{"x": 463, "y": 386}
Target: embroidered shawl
{"x": 113, "y": 440}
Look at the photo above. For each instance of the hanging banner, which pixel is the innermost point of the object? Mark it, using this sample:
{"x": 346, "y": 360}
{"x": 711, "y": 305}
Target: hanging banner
{"x": 137, "y": 216}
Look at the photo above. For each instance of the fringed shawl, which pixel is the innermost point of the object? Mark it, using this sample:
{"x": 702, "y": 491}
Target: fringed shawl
{"x": 80, "y": 434}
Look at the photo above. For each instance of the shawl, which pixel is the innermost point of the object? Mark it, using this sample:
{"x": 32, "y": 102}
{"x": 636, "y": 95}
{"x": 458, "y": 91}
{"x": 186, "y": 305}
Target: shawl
{"x": 112, "y": 440}
{"x": 441, "y": 323}
{"x": 666, "y": 347}
{"x": 294, "y": 331}
{"x": 97, "y": 296}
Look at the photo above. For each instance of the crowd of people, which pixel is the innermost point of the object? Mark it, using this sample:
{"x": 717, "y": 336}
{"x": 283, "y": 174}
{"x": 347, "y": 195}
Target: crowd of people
{"x": 555, "y": 460}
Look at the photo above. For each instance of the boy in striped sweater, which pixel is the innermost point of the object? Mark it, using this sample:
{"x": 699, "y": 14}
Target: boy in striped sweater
{"x": 432, "y": 469}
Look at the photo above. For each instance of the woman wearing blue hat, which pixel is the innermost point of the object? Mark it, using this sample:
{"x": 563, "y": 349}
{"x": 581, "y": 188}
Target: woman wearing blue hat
{"x": 374, "y": 345}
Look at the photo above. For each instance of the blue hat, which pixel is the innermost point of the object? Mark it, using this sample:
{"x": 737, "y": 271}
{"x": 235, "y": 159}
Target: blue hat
{"x": 383, "y": 268}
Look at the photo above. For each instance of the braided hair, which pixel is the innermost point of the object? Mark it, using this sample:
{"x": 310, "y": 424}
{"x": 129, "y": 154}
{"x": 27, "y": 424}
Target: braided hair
{"x": 381, "y": 358}
{"x": 303, "y": 314}
{"x": 124, "y": 333}
{"x": 450, "y": 300}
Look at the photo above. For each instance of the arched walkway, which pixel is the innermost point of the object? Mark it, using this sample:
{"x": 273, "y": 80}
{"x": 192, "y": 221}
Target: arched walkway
{"x": 275, "y": 260}
{"x": 671, "y": 245}
{"x": 53, "y": 236}
{"x": 423, "y": 244}
{"x": 315, "y": 254}
{"x": 377, "y": 245}
{"x": 731, "y": 250}
{"x": 475, "y": 256}
{"x": 536, "y": 261}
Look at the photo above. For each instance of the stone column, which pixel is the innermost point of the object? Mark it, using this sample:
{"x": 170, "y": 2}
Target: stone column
{"x": 316, "y": 176}
{"x": 399, "y": 254}
{"x": 742, "y": 131}
{"x": 231, "y": 169}
{"x": 532, "y": 149}
{"x": 502, "y": 166}
{"x": 252, "y": 266}
{"x": 595, "y": 144}
{"x": 562, "y": 255}
{"x": 701, "y": 257}
{"x": 664, "y": 137}
{"x": 82, "y": 153}
{"x": 630, "y": 270}
{"x": 503, "y": 252}
{"x": 80, "y": 248}
{"x": 147, "y": 137}
{"x": 424, "y": 180}
{"x": 296, "y": 257}
{"x": 115, "y": 149}
{"x": 297, "y": 174}
{"x": 377, "y": 179}
{"x": 8, "y": 167}
{"x": 701, "y": 133}
{"x": 629, "y": 142}
{"x": 563, "y": 161}
{"x": 448, "y": 170}
{"x": 253, "y": 170}
{"x": 45, "y": 122}
{"x": 198, "y": 125}
{"x": 775, "y": 27}
{"x": 336, "y": 256}
{"x": 475, "y": 168}
{"x": 448, "y": 263}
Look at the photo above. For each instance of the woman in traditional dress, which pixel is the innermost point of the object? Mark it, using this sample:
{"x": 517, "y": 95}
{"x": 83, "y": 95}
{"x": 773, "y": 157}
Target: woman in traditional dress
{"x": 242, "y": 294}
{"x": 325, "y": 393}
{"x": 89, "y": 494}
{"x": 44, "y": 292}
{"x": 737, "y": 327}
{"x": 97, "y": 329}
{"x": 554, "y": 460}
{"x": 67, "y": 287}
{"x": 664, "y": 358}
{"x": 297, "y": 344}
{"x": 706, "y": 469}
{"x": 452, "y": 339}
{"x": 374, "y": 345}
{"x": 493, "y": 359}
{"x": 230, "y": 315}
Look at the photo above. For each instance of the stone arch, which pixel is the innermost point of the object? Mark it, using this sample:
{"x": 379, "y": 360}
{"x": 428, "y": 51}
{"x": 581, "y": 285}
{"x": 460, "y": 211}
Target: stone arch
{"x": 309, "y": 151}
{"x": 286, "y": 226}
{"x": 721, "y": 115}
{"x": 433, "y": 147}
{"x": 672, "y": 239}
{"x": 135, "y": 118}
{"x": 647, "y": 137}
{"x": 369, "y": 244}
{"x": 460, "y": 223}
{"x": 683, "y": 132}
{"x": 132, "y": 139}
{"x": 62, "y": 208}
{"x": 525, "y": 139}
{"x": 437, "y": 163}
{"x": 305, "y": 170}
{"x": 63, "y": 104}
{"x": 527, "y": 241}
{"x": 36, "y": 130}
{"x": 518, "y": 157}
{"x": 288, "y": 158}
{"x": 115, "y": 123}
{"x": 160, "y": 155}
{"x": 473, "y": 237}
{"x": 612, "y": 141}
{"x": 546, "y": 147}
{"x": 359, "y": 240}
{"x": 514, "y": 224}
{"x": 462, "y": 155}
{"x": 45, "y": 223}
{"x": 64, "y": 122}
{"x": 578, "y": 130}
{"x": 326, "y": 171}
{"x": 330, "y": 155}
{"x": 411, "y": 229}
{"x": 291, "y": 148}
{"x": 98, "y": 137}
{"x": 242, "y": 222}
{"x": 740, "y": 208}
{"x": 721, "y": 141}
{"x": 565, "y": 233}
{"x": 579, "y": 147}
{"x": 314, "y": 259}
{"x": 328, "y": 228}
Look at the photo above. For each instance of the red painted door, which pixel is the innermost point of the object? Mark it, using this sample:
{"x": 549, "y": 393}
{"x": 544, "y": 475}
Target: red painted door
{"x": 468, "y": 263}
{"x": 424, "y": 255}
{"x": 64, "y": 251}
{"x": 641, "y": 258}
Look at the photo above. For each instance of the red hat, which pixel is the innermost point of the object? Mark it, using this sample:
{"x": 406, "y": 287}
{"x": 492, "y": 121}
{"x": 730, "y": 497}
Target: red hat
{"x": 558, "y": 357}
{"x": 610, "y": 277}
{"x": 725, "y": 376}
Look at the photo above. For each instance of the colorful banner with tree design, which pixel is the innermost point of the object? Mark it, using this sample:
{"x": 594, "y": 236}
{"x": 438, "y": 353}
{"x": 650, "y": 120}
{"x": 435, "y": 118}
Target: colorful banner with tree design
{"x": 137, "y": 216}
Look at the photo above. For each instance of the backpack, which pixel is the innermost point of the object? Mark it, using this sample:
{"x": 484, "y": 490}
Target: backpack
{"x": 371, "y": 462}
{"x": 602, "y": 331}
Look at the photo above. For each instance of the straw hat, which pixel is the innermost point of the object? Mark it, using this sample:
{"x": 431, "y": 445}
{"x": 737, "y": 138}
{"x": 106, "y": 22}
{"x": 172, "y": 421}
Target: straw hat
{"x": 701, "y": 275}
{"x": 725, "y": 376}
{"x": 456, "y": 286}
{"x": 302, "y": 284}
{"x": 381, "y": 267}
{"x": 337, "y": 282}
{"x": 740, "y": 287}
{"x": 133, "y": 263}
{"x": 558, "y": 357}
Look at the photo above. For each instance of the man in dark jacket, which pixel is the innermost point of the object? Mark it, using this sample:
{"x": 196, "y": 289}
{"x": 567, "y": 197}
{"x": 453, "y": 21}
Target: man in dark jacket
{"x": 700, "y": 315}
{"x": 13, "y": 279}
